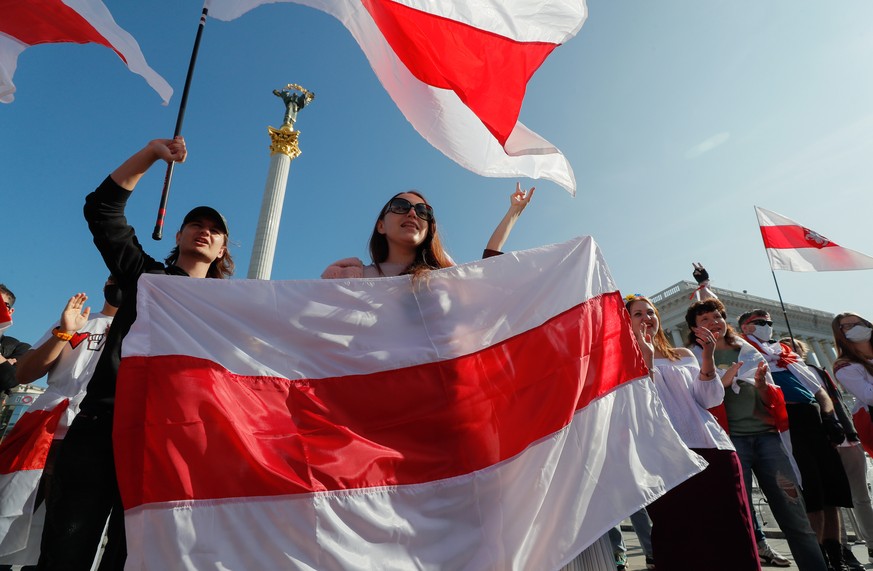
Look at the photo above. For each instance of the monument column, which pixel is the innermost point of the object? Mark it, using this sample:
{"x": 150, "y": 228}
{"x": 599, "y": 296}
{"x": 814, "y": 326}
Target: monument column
{"x": 283, "y": 150}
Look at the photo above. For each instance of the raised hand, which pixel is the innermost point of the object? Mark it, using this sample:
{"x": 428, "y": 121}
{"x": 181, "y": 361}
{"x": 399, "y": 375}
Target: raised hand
{"x": 700, "y": 274}
{"x": 170, "y": 150}
{"x": 74, "y": 317}
{"x": 519, "y": 199}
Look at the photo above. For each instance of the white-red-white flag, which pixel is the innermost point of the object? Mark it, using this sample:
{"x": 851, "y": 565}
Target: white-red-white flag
{"x": 796, "y": 248}
{"x": 458, "y": 70}
{"x": 495, "y": 415}
{"x": 25, "y": 23}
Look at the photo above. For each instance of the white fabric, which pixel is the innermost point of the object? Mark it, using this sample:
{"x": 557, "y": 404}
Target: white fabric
{"x": 772, "y": 351}
{"x": 598, "y": 557}
{"x": 855, "y": 379}
{"x": 536, "y": 510}
{"x": 97, "y": 14}
{"x": 687, "y": 398}
{"x": 495, "y": 299}
{"x": 438, "y": 114}
{"x": 20, "y": 528}
{"x": 834, "y": 258}
{"x": 70, "y": 374}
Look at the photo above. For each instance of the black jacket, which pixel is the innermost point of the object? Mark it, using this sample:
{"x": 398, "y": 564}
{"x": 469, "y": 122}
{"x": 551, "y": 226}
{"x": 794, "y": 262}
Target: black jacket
{"x": 116, "y": 240}
{"x": 10, "y": 348}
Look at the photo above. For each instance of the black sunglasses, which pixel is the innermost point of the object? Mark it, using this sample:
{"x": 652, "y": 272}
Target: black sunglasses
{"x": 760, "y": 322}
{"x": 402, "y": 206}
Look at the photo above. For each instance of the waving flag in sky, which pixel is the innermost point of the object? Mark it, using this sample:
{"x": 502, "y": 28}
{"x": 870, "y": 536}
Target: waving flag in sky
{"x": 458, "y": 70}
{"x": 25, "y": 23}
{"x": 494, "y": 415}
{"x": 796, "y": 248}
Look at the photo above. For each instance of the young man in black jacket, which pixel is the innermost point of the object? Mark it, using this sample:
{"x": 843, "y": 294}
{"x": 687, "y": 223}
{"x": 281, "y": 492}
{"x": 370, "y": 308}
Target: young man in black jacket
{"x": 85, "y": 489}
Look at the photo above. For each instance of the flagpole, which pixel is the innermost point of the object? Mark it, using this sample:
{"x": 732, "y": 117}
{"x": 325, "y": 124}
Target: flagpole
{"x": 784, "y": 313}
{"x": 168, "y": 178}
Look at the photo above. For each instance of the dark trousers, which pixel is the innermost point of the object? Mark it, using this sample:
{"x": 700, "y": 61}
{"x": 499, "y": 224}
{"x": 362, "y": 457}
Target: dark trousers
{"x": 84, "y": 493}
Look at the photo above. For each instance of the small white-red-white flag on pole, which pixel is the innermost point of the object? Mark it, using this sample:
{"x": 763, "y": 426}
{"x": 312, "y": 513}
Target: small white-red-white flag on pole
{"x": 793, "y": 247}
{"x": 458, "y": 71}
{"x": 25, "y": 23}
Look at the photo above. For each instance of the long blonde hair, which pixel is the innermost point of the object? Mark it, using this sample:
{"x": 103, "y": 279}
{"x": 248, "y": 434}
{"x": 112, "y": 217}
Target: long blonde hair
{"x": 659, "y": 339}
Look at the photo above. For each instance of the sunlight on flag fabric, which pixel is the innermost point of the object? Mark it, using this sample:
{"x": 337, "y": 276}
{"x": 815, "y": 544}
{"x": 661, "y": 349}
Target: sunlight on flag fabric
{"x": 494, "y": 415}
{"x": 796, "y": 248}
{"x": 26, "y": 23}
{"x": 458, "y": 71}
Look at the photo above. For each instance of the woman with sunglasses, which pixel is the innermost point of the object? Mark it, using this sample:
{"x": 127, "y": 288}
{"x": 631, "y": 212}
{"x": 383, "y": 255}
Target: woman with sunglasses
{"x": 854, "y": 369}
{"x": 405, "y": 239}
{"x": 685, "y": 519}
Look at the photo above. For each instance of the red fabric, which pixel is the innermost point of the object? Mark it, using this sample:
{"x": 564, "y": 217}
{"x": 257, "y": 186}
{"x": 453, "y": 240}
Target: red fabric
{"x": 720, "y": 414}
{"x": 185, "y": 428}
{"x": 5, "y": 316}
{"x": 27, "y": 446}
{"x": 788, "y": 356}
{"x": 864, "y": 426}
{"x": 792, "y": 237}
{"x": 488, "y": 72}
{"x": 777, "y": 408}
{"x": 48, "y": 21}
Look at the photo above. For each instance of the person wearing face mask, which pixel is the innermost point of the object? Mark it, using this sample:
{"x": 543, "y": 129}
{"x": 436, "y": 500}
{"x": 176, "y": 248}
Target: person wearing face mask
{"x": 815, "y": 431}
{"x": 854, "y": 370}
{"x": 852, "y": 456}
{"x": 68, "y": 353}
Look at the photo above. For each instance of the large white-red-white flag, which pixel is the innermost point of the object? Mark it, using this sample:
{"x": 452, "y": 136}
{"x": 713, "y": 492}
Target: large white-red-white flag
{"x": 458, "y": 70}
{"x": 494, "y": 415}
{"x": 796, "y": 248}
{"x": 25, "y": 23}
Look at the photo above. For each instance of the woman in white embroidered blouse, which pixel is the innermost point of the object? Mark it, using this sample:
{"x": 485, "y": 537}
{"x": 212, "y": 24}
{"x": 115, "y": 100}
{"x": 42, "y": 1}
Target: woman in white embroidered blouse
{"x": 715, "y": 498}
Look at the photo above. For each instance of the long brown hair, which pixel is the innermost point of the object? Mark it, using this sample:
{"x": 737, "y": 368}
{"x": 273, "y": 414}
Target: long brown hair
{"x": 846, "y": 352}
{"x": 697, "y": 309}
{"x": 659, "y": 339}
{"x": 428, "y": 256}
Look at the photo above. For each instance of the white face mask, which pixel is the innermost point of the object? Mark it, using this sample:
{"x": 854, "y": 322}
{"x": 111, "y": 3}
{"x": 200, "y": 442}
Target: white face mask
{"x": 763, "y": 332}
{"x": 859, "y": 334}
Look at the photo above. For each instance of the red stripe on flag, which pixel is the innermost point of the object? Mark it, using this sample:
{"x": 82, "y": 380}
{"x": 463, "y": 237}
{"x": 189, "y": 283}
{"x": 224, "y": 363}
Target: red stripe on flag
{"x": 792, "y": 237}
{"x": 48, "y": 22}
{"x": 27, "y": 446}
{"x": 185, "y": 428}
{"x": 488, "y": 72}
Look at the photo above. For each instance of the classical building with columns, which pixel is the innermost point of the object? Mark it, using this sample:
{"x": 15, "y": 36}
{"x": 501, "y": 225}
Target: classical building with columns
{"x": 810, "y": 325}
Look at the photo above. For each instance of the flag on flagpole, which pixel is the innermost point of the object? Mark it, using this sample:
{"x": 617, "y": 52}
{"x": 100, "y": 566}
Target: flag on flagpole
{"x": 26, "y": 23}
{"x": 458, "y": 71}
{"x": 372, "y": 424}
{"x": 796, "y": 248}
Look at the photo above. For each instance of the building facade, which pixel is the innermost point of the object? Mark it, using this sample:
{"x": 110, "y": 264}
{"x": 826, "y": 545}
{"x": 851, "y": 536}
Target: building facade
{"x": 16, "y": 404}
{"x": 809, "y": 325}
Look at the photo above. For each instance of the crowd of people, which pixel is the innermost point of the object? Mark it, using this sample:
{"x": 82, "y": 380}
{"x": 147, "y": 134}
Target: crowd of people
{"x": 747, "y": 404}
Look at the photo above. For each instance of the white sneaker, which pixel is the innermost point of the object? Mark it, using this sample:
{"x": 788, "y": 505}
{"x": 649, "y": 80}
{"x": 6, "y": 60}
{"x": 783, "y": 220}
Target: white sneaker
{"x": 770, "y": 556}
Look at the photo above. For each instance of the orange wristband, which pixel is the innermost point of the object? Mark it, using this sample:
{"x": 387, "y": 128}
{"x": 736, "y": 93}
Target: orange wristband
{"x": 62, "y": 336}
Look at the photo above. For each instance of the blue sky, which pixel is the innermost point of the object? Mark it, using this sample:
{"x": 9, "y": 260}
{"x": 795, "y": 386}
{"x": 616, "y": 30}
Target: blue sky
{"x": 677, "y": 117}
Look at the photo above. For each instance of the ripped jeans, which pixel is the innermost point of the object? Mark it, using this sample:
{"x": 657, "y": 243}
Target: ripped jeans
{"x": 764, "y": 455}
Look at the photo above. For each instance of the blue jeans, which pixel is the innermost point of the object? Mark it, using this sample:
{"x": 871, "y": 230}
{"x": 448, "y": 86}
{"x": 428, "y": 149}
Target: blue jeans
{"x": 764, "y": 455}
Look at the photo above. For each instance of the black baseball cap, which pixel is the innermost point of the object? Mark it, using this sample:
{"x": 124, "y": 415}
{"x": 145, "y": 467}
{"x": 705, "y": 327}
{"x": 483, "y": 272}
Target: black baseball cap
{"x": 206, "y": 212}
